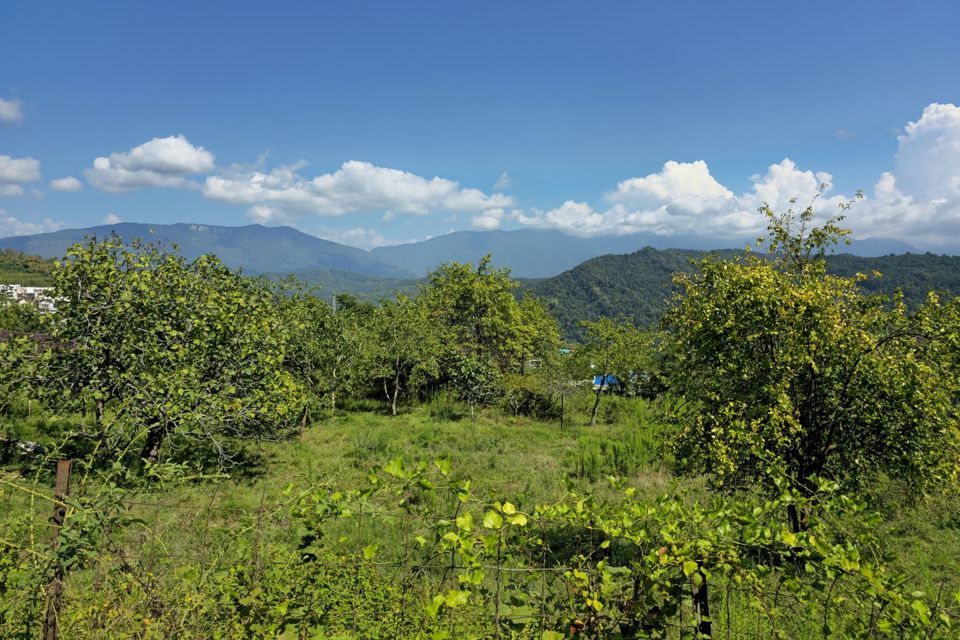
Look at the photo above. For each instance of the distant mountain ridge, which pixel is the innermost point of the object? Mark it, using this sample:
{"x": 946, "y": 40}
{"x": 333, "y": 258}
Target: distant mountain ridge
{"x": 529, "y": 253}
{"x": 541, "y": 253}
{"x": 254, "y": 248}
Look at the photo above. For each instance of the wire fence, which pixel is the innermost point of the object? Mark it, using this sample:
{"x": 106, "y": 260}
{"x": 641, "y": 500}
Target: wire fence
{"x": 148, "y": 567}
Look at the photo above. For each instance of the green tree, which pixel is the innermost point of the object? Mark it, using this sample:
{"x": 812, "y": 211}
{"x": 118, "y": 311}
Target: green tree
{"x": 536, "y": 336}
{"x": 20, "y": 318}
{"x": 477, "y": 309}
{"x": 176, "y": 352}
{"x": 784, "y": 366}
{"x": 612, "y": 348}
{"x": 325, "y": 342}
{"x": 402, "y": 348}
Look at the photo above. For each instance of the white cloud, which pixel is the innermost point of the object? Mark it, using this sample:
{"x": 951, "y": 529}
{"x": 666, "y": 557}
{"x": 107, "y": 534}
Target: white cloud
{"x": 928, "y": 156}
{"x": 356, "y": 237}
{"x": 283, "y": 193}
{"x": 489, "y": 219}
{"x": 844, "y": 134}
{"x": 112, "y": 218}
{"x": 161, "y": 162}
{"x": 503, "y": 182}
{"x": 69, "y": 183}
{"x": 10, "y": 112}
{"x": 13, "y": 226}
{"x": 10, "y": 190}
{"x": 684, "y": 188}
{"x": 919, "y": 201}
{"x": 684, "y": 198}
{"x": 16, "y": 170}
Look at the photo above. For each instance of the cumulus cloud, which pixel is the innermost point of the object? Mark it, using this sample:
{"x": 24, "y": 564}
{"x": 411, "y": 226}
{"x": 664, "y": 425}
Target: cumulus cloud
{"x": 928, "y": 155}
{"x": 918, "y": 201}
{"x": 68, "y": 183}
{"x": 10, "y": 112}
{"x": 283, "y": 193}
{"x": 112, "y": 218}
{"x": 684, "y": 198}
{"x": 488, "y": 220}
{"x": 356, "y": 237}
{"x": 18, "y": 170}
{"x": 10, "y": 225}
{"x": 161, "y": 162}
{"x": 10, "y": 190}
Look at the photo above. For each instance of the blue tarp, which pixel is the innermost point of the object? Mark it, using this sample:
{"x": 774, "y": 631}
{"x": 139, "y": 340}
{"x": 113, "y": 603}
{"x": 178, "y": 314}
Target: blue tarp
{"x": 611, "y": 381}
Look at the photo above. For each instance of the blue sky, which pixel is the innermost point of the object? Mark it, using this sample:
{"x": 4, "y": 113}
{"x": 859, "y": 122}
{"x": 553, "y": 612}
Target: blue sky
{"x": 589, "y": 117}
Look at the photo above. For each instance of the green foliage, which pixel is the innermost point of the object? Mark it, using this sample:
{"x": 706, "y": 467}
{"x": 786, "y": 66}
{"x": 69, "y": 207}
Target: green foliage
{"x": 443, "y": 405}
{"x": 529, "y": 395}
{"x": 783, "y": 364}
{"x": 480, "y": 318}
{"x": 170, "y": 353}
{"x": 613, "y": 348}
{"x": 401, "y": 348}
{"x": 25, "y": 269}
{"x": 20, "y": 317}
{"x": 640, "y": 284}
{"x": 474, "y": 381}
{"x": 325, "y": 344}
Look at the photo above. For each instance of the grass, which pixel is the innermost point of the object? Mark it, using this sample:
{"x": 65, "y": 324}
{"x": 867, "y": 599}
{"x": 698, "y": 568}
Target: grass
{"x": 187, "y": 529}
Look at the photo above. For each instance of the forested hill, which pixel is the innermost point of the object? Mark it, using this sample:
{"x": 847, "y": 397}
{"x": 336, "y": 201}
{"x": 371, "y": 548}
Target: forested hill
{"x": 23, "y": 268}
{"x": 637, "y": 284}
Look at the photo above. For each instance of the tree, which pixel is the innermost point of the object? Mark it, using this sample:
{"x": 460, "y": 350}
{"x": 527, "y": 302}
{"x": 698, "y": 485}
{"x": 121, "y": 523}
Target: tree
{"x": 402, "y": 348}
{"x": 536, "y": 336}
{"x": 612, "y": 349}
{"x": 325, "y": 342}
{"x": 785, "y": 367}
{"x": 176, "y": 352}
{"x": 477, "y": 309}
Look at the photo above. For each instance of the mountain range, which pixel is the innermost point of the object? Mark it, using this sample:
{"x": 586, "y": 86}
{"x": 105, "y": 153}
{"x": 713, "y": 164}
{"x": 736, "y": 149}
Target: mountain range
{"x": 254, "y": 248}
{"x": 541, "y": 253}
{"x": 530, "y": 253}
{"x": 575, "y": 284}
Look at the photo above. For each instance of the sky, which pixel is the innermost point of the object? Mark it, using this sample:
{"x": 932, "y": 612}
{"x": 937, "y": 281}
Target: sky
{"x": 376, "y": 123}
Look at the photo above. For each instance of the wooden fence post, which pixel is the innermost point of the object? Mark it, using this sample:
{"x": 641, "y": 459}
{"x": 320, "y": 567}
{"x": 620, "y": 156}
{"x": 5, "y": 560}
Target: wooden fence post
{"x": 55, "y": 588}
{"x": 701, "y": 606}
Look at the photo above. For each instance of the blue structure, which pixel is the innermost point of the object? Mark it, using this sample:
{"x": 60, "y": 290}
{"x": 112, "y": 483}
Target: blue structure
{"x": 608, "y": 381}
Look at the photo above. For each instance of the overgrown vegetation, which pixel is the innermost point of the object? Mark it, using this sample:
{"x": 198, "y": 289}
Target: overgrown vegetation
{"x": 24, "y": 269}
{"x": 775, "y": 459}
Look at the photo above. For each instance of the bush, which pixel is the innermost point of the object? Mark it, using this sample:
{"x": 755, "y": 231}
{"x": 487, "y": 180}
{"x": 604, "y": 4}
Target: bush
{"x": 444, "y": 406}
{"x": 526, "y": 396}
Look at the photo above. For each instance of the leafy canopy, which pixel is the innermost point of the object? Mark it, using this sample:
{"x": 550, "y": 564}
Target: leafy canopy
{"x": 784, "y": 365}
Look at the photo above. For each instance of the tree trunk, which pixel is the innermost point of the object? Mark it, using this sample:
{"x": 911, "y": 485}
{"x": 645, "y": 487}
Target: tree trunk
{"x": 305, "y": 418}
{"x": 396, "y": 392}
{"x": 596, "y": 403}
{"x": 100, "y": 412}
{"x": 155, "y": 436}
{"x": 799, "y": 519}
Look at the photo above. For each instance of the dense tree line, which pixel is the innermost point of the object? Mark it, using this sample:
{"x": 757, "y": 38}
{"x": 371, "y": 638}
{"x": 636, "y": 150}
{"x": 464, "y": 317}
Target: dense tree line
{"x": 167, "y": 356}
{"x": 639, "y": 285}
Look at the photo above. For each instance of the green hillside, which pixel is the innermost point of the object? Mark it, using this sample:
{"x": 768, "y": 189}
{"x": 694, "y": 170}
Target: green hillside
{"x": 25, "y": 269}
{"x": 637, "y": 285}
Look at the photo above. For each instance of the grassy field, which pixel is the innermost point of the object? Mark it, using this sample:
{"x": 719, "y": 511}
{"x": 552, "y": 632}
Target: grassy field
{"x": 187, "y": 534}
